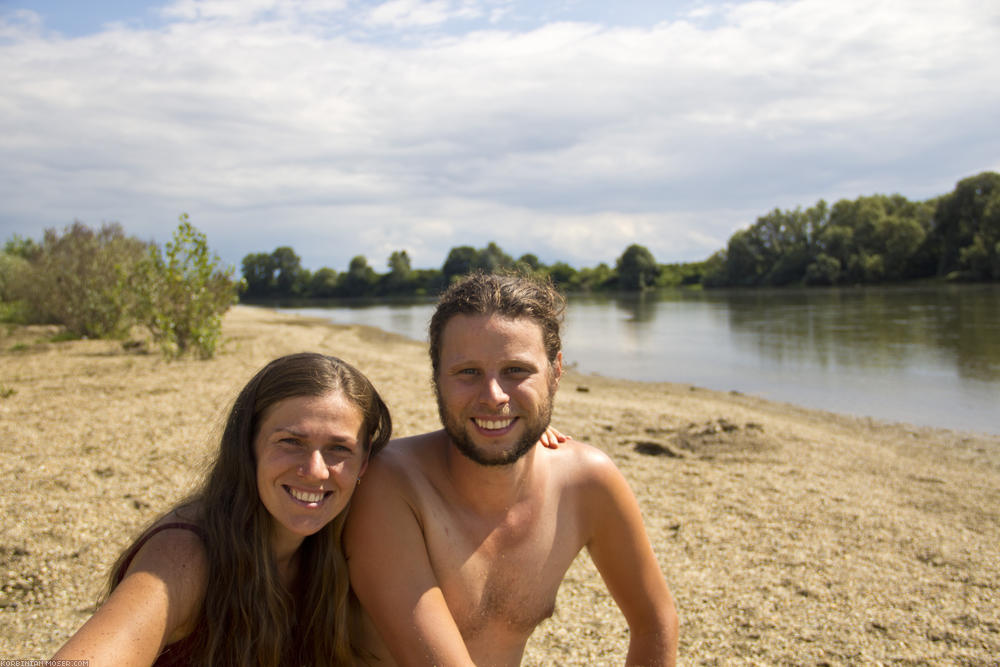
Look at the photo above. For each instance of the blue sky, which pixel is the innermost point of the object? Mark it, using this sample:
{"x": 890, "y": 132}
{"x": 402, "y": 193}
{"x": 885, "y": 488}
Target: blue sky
{"x": 566, "y": 129}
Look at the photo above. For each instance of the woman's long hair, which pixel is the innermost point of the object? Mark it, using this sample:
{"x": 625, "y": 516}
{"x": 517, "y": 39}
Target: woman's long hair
{"x": 248, "y": 616}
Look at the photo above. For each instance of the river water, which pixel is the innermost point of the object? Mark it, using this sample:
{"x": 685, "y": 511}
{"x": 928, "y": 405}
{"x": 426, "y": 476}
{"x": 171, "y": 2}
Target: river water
{"x": 926, "y": 355}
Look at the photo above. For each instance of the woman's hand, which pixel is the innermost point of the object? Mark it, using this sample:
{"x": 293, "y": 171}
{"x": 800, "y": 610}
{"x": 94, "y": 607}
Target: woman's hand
{"x": 551, "y": 438}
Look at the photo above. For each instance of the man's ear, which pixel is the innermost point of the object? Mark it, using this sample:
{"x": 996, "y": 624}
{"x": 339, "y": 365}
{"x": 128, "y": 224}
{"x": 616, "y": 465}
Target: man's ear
{"x": 557, "y": 367}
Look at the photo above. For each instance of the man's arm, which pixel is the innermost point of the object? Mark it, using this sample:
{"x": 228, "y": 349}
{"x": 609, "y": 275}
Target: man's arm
{"x": 392, "y": 575}
{"x": 623, "y": 555}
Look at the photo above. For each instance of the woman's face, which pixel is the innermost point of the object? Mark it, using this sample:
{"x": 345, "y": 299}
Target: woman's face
{"x": 309, "y": 460}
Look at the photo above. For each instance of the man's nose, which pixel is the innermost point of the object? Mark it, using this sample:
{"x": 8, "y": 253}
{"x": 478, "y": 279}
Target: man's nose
{"x": 494, "y": 393}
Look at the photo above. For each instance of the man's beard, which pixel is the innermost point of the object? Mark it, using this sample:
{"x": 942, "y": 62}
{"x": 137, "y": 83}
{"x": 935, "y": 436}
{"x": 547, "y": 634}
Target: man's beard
{"x": 458, "y": 432}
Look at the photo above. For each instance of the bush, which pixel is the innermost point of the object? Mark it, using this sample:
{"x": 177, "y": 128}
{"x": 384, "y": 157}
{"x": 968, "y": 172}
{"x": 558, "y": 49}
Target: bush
{"x": 12, "y": 268}
{"x": 185, "y": 292}
{"x": 82, "y": 280}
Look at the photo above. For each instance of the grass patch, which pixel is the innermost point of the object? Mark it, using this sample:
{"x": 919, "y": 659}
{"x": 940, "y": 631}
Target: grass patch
{"x": 63, "y": 336}
{"x": 13, "y": 312}
{"x": 7, "y": 392}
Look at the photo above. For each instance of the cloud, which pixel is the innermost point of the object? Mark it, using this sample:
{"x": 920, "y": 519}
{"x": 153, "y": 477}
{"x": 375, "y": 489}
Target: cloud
{"x": 421, "y": 125}
{"x": 419, "y": 13}
{"x": 248, "y": 10}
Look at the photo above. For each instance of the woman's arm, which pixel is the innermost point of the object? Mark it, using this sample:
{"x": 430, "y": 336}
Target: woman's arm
{"x": 157, "y": 603}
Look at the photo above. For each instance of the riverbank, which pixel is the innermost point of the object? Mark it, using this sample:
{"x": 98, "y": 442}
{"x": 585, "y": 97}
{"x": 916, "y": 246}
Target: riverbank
{"x": 788, "y": 536}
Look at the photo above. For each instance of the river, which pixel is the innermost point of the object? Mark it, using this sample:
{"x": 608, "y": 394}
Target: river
{"x": 926, "y": 355}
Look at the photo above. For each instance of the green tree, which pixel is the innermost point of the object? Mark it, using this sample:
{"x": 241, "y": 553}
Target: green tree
{"x": 460, "y": 261}
{"x": 359, "y": 279}
{"x": 258, "y": 273}
{"x": 427, "y": 281}
{"x": 290, "y": 278}
{"x": 561, "y": 273}
{"x": 594, "y": 278}
{"x": 323, "y": 283}
{"x": 824, "y": 270}
{"x": 967, "y": 229}
{"x": 25, "y": 248}
{"x": 397, "y": 280}
{"x": 12, "y": 271}
{"x": 399, "y": 263}
{"x": 637, "y": 269}
{"x": 746, "y": 262}
{"x": 185, "y": 293}
{"x": 530, "y": 261}
{"x": 492, "y": 258}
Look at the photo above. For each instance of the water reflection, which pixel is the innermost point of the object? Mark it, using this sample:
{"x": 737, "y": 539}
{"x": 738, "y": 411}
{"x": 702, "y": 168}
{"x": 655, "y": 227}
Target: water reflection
{"x": 875, "y": 328}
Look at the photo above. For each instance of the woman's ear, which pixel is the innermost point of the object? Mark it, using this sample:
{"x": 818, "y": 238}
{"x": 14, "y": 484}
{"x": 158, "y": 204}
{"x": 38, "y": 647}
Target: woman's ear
{"x": 364, "y": 466}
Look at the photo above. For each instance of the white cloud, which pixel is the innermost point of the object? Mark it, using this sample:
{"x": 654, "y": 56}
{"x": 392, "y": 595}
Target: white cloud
{"x": 342, "y": 130}
{"x": 248, "y": 10}
{"x": 420, "y": 13}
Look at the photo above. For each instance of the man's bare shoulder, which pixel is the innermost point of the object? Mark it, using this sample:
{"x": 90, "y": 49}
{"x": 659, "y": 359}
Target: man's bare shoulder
{"x": 581, "y": 464}
{"x": 409, "y": 458}
{"x": 399, "y": 478}
{"x": 589, "y": 482}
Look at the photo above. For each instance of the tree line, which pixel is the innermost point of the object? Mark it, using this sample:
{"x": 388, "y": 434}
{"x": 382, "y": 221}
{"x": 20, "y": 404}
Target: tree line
{"x": 280, "y": 274}
{"x": 872, "y": 239}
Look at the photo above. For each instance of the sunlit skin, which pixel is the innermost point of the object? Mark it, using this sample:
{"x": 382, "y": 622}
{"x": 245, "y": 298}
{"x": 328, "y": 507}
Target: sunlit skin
{"x": 305, "y": 446}
{"x": 308, "y": 463}
{"x": 489, "y": 528}
{"x": 495, "y": 386}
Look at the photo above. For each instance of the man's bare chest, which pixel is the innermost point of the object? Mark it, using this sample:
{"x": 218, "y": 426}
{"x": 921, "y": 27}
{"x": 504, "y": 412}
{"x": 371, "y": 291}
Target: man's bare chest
{"x": 502, "y": 579}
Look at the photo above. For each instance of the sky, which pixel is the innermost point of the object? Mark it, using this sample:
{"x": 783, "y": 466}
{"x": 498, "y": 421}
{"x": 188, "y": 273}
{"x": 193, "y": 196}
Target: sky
{"x": 565, "y": 128}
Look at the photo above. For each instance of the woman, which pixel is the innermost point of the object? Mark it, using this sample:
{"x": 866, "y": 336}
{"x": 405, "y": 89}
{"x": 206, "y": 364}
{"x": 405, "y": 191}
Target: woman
{"x": 249, "y": 570}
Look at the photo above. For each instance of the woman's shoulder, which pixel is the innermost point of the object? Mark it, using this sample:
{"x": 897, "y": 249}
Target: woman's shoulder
{"x": 156, "y": 600}
{"x": 170, "y": 547}
{"x": 172, "y": 554}
{"x": 176, "y": 539}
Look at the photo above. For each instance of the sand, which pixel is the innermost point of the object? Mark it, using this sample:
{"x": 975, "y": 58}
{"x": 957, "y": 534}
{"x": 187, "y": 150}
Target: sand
{"x": 787, "y": 535}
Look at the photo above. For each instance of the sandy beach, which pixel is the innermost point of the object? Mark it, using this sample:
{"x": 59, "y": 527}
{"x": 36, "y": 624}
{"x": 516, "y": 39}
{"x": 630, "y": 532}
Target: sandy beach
{"x": 788, "y": 536}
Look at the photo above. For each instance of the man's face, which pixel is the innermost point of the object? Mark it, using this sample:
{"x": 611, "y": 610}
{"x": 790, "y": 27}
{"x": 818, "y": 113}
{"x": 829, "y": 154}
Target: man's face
{"x": 495, "y": 386}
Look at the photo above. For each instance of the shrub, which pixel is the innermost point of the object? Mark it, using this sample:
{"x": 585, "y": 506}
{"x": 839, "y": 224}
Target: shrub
{"x": 11, "y": 268}
{"x": 81, "y": 279}
{"x": 185, "y": 291}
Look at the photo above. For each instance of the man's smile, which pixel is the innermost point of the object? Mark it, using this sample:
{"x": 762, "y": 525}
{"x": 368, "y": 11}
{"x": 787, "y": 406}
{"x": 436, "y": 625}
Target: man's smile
{"x": 494, "y": 424}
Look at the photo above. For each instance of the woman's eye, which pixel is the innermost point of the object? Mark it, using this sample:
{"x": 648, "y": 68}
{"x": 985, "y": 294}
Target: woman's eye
{"x": 337, "y": 453}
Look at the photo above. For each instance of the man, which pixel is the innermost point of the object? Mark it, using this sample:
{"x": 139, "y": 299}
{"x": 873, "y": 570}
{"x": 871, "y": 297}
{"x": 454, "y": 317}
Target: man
{"x": 457, "y": 540}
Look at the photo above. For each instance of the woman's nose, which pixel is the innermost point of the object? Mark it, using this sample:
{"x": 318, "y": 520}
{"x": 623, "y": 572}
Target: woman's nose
{"x": 314, "y": 467}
